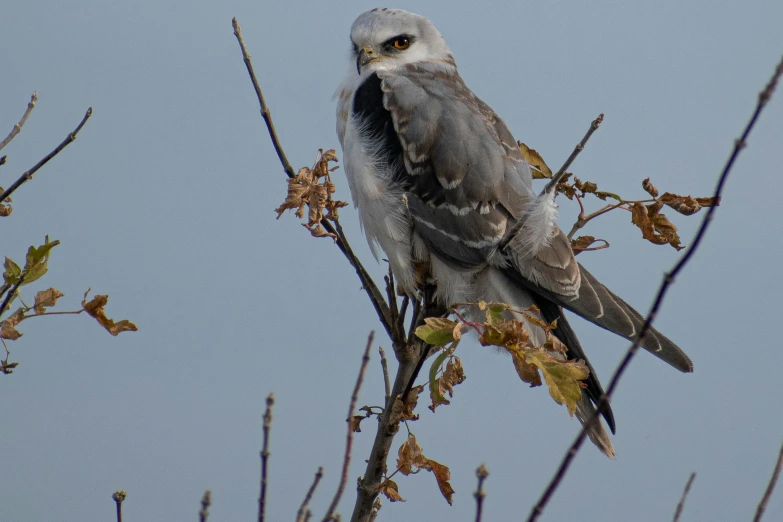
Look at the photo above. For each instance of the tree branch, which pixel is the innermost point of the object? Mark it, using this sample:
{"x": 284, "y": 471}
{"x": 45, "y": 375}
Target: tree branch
{"x": 668, "y": 279}
{"x": 270, "y": 401}
{"x": 303, "y": 511}
{"x": 118, "y": 497}
{"x": 481, "y": 473}
{"x": 552, "y": 185}
{"x": 681, "y": 503}
{"x": 206, "y": 501}
{"x": 375, "y": 295}
{"x": 385, "y": 368}
{"x": 18, "y": 127}
{"x": 27, "y": 176}
{"x": 771, "y": 486}
{"x": 330, "y": 513}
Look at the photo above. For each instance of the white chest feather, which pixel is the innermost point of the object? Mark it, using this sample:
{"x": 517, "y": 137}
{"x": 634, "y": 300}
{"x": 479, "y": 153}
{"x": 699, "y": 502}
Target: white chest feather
{"x": 380, "y": 202}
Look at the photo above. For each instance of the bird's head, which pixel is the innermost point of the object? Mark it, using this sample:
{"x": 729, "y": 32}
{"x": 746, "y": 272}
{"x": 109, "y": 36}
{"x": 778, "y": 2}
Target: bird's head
{"x": 384, "y": 39}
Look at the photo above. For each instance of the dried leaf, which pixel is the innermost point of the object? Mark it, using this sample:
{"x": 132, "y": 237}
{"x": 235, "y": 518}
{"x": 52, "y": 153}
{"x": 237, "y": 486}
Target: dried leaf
{"x": 356, "y": 421}
{"x": 7, "y": 326}
{"x": 586, "y": 187}
{"x": 581, "y": 243}
{"x": 526, "y": 371}
{"x": 656, "y": 228}
{"x": 538, "y": 166}
{"x": 494, "y": 312}
{"x": 388, "y": 488}
{"x": 442, "y": 475}
{"x": 410, "y": 456}
{"x": 46, "y": 298}
{"x": 404, "y": 412}
{"x": 306, "y": 189}
{"x": 562, "y": 377}
{"x": 95, "y": 309}
{"x": 453, "y": 375}
{"x": 649, "y": 188}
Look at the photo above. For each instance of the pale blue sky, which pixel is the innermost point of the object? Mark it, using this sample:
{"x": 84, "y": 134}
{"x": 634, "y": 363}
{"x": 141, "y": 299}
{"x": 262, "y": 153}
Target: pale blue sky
{"x": 165, "y": 202}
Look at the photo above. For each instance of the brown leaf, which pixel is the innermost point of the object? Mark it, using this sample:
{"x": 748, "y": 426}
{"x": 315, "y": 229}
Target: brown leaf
{"x": 7, "y": 325}
{"x": 649, "y": 188}
{"x": 586, "y": 187}
{"x": 95, "y": 309}
{"x": 388, "y": 488}
{"x": 656, "y": 228}
{"x": 452, "y": 376}
{"x": 404, "y": 412}
{"x": 356, "y": 421}
{"x": 410, "y": 456}
{"x": 442, "y": 475}
{"x": 538, "y": 166}
{"x": 584, "y": 244}
{"x": 46, "y": 298}
{"x": 526, "y": 371}
{"x": 306, "y": 189}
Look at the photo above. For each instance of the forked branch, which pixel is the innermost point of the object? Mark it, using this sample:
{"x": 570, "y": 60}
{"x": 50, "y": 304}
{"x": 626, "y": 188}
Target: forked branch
{"x": 668, "y": 279}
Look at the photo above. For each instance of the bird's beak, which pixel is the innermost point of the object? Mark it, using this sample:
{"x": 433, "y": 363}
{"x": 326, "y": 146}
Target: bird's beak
{"x": 365, "y": 56}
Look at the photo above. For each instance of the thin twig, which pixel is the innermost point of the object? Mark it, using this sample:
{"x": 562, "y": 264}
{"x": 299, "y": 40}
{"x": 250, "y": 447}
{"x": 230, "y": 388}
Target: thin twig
{"x": 270, "y": 401}
{"x": 119, "y": 497}
{"x": 18, "y": 127}
{"x": 385, "y": 368}
{"x": 11, "y": 293}
{"x": 681, "y": 503}
{"x": 552, "y": 185}
{"x": 771, "y": 486}
{"x": 27, "y": 176}
{"x": 206, "y": 501}
{"x": 668, "y": 279}
{"x": 300, "y": 515}
{"x": 375, "y": 295}
{"x": 481, "y": 473}
{"x": 267, "y": 115}
{"x": 330, "y": 513}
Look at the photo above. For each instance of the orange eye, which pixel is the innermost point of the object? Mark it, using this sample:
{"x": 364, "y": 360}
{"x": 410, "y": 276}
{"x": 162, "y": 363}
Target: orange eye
{"x": 401, "y": 43}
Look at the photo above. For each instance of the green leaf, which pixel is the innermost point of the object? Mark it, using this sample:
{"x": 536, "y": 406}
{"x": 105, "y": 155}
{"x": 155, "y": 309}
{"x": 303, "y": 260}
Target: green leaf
{"x": 437, "y": 331}
{"x": 12, "y": 272}
{"x": 37, "y": 262}
{"x": 495, "y": 313}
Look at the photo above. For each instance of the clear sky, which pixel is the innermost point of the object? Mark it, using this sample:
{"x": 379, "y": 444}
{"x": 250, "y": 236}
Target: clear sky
{"x": 165, "y": 202}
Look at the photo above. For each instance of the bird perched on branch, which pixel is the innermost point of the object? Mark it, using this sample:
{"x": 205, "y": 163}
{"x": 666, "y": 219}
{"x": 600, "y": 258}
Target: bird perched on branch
{"x": 439, "y": 181}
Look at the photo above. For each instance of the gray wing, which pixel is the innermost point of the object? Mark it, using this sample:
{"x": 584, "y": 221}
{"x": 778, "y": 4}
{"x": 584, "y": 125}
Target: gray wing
{"x": 467, "y": 180}
{"x": 470, "y": 189}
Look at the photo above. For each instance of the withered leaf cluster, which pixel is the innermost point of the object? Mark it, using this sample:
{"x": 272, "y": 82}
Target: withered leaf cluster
{"x": 5, "y": 206}
{"x": 313, "y": 188}
{"x": 646, "y": 214}
{"x": 410, "y": 460}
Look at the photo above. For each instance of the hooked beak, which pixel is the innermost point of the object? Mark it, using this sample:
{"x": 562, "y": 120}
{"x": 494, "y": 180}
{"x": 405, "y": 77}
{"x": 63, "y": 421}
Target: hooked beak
{"x": 365, "y": 56}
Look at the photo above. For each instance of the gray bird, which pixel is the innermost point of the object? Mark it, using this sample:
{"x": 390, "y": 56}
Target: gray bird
{"x": 438, "y": 179}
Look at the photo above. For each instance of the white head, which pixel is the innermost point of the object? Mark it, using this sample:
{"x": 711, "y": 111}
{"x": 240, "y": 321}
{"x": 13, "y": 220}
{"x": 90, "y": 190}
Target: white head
{"x": 385, "y": 39}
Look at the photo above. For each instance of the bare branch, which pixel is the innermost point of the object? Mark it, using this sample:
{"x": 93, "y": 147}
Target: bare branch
{"x": 552, "y": 185}
{"x": 18, "y": 127}
{"x": 267, "y": 115}
{"x": 270, "y": 401}
{"x": 11, "y": 293}
{"x": 206, "y": 501}
{"x": 118, "y": 497}
{"x": 27, "y": 176}
{"x": 481, "y": 473}
{"x": 375, "y": 295}
{"x": 681, "y": 503}
{"x": 772, "y": 481}
{"x": 385, "y": 368}
{"x": 303, "y": 511}
{"x": 668, "y": 279}
{"x": 330, "y": 513}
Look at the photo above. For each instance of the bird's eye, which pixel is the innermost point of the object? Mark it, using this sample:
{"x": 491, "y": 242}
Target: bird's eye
{"x": 401, "y": 43}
